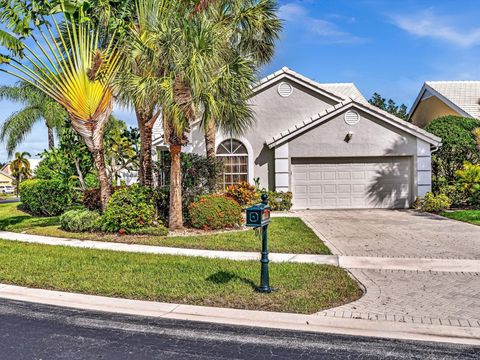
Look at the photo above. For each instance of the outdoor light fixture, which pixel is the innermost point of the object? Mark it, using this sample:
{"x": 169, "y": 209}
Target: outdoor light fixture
{"x": 348, "y": 137}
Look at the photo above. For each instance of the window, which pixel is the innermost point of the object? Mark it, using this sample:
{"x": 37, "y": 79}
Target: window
{"x": 235, "y": 160}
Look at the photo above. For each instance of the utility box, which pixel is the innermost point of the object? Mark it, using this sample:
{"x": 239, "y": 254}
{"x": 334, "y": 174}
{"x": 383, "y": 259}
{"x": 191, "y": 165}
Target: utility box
{"x": 258, "y": 215}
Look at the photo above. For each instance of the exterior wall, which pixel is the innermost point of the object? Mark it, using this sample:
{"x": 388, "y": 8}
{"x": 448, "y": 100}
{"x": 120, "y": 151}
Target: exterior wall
{"x": 371, "y": 138}
{"x": 430, "y": 109}
{"x": 5, "y": 180}
{"x": 273, "y": 114}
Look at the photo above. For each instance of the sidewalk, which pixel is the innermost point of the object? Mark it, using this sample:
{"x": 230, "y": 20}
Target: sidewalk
{"x": 288, "y": 321}
{"x": 346, "y": 262}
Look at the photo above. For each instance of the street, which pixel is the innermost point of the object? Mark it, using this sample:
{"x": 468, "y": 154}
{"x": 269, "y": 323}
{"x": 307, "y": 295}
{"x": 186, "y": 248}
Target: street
{"x": 33, "y": 331}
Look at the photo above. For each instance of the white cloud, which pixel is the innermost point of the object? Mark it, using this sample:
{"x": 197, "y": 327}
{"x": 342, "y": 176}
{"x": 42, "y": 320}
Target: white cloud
{"x": 323, "y": 30}
{"x": 430, "y": 25}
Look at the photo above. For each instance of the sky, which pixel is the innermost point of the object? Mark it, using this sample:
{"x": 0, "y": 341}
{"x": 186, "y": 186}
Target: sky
{"x": 385, "y": 46}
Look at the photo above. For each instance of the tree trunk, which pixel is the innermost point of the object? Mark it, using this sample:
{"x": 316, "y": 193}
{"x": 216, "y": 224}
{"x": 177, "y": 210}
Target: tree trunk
{"x": 105, "y": 190}
{"x": 147, "y": 155}
{"x": 80, "y": 175}
{"x": 145, "y": 126}
{"x": 51, "y": 138}
{"x": 175, "y": 211}
{"x": 210, "y": 136}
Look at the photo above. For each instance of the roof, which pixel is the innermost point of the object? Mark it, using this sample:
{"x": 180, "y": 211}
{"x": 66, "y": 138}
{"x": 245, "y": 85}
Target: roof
{"x": 462, "y": 96}
{"x": 335, "y": 91}
{"x": 342, "y": 106}
{"x": 5, "y": 174}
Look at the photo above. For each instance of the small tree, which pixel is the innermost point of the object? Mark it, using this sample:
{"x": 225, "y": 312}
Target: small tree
{"x": 20, "y": 167}
{"x": 389, "y": 106}
{"x": 458, "y": 146}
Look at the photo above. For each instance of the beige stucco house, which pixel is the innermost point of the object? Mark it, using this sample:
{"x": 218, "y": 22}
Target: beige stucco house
{"x": 442, "y": 98}
{"x": 327, "y": 145}
{"x": 5, "y": 179}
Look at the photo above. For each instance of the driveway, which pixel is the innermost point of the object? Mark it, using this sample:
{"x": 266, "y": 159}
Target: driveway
{"x": 394, "y": 233}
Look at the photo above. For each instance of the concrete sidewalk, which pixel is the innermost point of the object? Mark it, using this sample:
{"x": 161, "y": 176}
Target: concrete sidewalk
{"x": 346, "y": 262}
{"x": 265, "y": 319}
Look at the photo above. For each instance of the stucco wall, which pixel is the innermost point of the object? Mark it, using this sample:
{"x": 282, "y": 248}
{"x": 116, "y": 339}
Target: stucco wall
{"x": 5, "y": 180}
{"x": 273, "y": 114}
{"x": 430, "y": 109}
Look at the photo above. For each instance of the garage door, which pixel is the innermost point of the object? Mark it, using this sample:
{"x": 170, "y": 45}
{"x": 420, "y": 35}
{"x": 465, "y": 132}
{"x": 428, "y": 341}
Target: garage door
{"x": 342, "y": 183}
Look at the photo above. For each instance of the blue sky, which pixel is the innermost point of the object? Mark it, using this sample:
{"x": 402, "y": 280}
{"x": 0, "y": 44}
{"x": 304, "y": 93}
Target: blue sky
{"x": 387, "y": 46}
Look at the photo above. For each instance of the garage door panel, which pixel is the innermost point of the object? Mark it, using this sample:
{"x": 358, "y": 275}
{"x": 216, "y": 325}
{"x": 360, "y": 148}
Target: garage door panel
{"x": 351, "y": 183}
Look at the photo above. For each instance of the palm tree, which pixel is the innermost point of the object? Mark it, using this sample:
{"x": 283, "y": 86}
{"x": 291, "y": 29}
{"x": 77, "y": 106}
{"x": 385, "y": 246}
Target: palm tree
{"x": 78, "y": 76}
{"x": 37, "y": 107}
{"x": 253, "y": 27}
{"x": 20, "y": 167}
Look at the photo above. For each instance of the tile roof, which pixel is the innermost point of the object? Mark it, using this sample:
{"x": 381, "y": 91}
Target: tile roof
{"x": 340, "y": 91}
{"x": 464, "y": 94}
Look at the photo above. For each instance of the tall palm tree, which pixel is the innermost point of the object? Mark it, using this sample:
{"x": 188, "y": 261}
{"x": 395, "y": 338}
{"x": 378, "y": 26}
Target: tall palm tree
{"x": 253, "y": 27}
{"x": 78, "y": 76}
{"x": 20, "y": 167}
{"x": 37, "y": 107}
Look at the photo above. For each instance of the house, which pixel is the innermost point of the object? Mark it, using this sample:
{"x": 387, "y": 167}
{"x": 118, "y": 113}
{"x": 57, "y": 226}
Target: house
{"x": 442, "y": 98}
{"x": 327, "y": 145}
{"x": 5, "y": 179}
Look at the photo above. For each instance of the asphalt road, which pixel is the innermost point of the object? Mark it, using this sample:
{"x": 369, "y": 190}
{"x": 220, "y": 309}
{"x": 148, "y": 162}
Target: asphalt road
{"x": 33, "y": 331}
{"x": 8, "y": 201}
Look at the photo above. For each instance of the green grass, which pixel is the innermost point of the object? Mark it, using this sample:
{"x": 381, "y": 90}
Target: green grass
{"x": 301, "y": 288}
{"x": 286, "y": 235}
{"x": 469, "y": 216}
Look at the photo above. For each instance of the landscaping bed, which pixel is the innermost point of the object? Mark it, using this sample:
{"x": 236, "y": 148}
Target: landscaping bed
{"x": 287, "y": 235}
{"x": 469, "y": 216}
{"x": 301, "y": 288}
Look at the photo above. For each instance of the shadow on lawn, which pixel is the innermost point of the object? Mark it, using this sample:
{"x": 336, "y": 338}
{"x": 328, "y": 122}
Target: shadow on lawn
{"x": 223, "y": 277}
{"x": 21, "y": 222}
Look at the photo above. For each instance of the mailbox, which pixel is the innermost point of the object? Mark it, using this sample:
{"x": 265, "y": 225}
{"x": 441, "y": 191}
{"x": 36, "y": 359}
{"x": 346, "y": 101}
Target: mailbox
{"x": 258, "y": 215}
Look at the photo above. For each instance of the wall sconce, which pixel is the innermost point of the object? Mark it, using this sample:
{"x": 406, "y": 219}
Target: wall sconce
{"x": 348, "y": 137}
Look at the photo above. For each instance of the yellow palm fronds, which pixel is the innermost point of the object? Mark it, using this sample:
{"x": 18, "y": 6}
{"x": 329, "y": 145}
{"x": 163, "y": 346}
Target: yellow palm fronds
{"x": 73, "y": 70}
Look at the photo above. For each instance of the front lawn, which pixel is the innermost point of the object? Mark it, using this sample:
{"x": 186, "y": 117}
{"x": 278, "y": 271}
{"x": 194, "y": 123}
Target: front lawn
{"x": 470, "y": 216}
{"x": 301, "y": 288}
{"x": 286, "y": 235}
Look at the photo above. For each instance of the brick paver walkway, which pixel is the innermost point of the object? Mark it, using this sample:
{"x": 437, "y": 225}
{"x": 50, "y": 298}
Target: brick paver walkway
{"x": 437, "y": 298}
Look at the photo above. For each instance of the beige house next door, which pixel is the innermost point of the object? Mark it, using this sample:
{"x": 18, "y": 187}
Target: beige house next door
{"x": 351, "y": 183}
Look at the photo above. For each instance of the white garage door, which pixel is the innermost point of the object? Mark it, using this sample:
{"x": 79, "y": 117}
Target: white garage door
{"x": 342, "y": 183}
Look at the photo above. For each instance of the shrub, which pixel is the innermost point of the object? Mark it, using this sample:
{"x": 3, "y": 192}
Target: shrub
{"x": 458, "y": 145}
{"x": 280, "y": 201}
{"x": 455, "y": 193}
{"x": 432, "y": 203}
{"x": 45, "y": 197}
{"x": 212, "y": 212}
{"x": 243, "y": 193}
{"x": 159, "y": 230}
{"x": 200, "y": 176}
{"x": 82, "y": 220}
{"x": 469, "y": 180}
{"x": 91, "y": 198}
{"x": 129, "y": 209}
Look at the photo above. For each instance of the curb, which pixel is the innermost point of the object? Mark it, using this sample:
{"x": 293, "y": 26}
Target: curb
{"x": 264, "y": 319}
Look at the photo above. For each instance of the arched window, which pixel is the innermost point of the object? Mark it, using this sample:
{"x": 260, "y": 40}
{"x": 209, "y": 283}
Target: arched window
{"x": 235, "y": 160}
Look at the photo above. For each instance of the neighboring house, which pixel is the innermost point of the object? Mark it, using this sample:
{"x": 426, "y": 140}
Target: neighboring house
{"x": 327, "y": 145}
{"x": 33, "y": 166}
{"x": 441, "y": 98}
{"x": 5, "y": 179}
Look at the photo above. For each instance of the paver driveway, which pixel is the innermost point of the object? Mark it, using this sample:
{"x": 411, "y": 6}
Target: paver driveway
{"x": 395, "y": 233}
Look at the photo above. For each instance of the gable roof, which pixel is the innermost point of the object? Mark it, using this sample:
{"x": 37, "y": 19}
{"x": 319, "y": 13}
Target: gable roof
{"x": 342, "y": 106}
{"x": 8, "y": 176}
{"x": 461, "y": 96}
{"x": 335, "y": 91}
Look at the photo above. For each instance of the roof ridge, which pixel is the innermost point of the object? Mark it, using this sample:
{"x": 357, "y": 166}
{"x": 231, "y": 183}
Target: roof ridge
{"x": 450, "y": 81}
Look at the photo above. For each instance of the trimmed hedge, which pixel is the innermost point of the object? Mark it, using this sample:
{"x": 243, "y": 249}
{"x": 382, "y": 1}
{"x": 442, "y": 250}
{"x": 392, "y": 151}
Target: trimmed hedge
{"x": 435, "y": 204}
{"x": 80, "y": 221}
{"x": 45, "y": 197}
{"x": 243, "y": 193}
{"x": 212, "y": 212}
{"x": 129, "y": 209}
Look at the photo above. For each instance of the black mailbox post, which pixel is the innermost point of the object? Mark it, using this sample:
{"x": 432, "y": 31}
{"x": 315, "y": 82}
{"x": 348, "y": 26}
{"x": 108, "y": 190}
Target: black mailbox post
{"x": 258, "y": 216}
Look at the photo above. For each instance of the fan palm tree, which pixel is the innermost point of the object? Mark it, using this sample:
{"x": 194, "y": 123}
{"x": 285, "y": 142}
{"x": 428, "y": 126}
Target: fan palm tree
{"x": 37, "y": 107}
{"x": 79, "y": 77}
{"x": 20, "y": 167}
